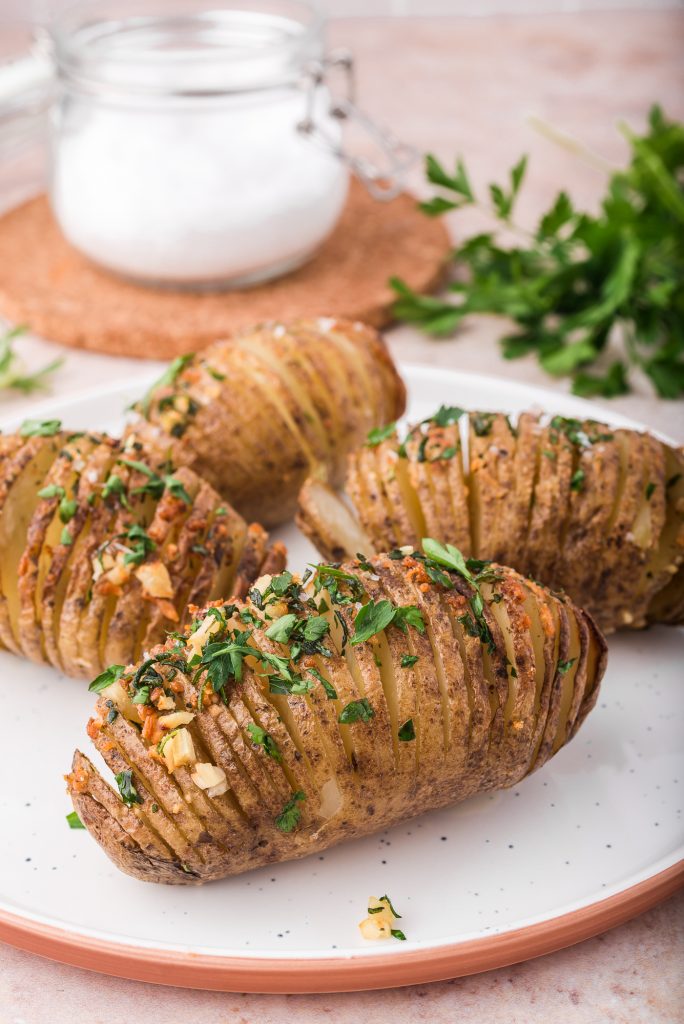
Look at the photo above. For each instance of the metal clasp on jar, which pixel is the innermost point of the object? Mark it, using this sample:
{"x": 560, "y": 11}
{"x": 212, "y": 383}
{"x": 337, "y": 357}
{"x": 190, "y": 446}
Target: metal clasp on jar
{"x": 382, "y": 182}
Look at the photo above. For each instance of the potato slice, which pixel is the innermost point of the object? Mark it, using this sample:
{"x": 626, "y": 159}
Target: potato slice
{"x": 23, "y": 475}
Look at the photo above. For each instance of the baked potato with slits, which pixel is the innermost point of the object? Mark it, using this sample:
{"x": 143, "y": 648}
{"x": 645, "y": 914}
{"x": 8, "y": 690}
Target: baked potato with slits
{"x": 101, "y": 552}
{"x": 586, "y": 508}
{"x": 257, "y": 414}
{"x": 273, "y": 729}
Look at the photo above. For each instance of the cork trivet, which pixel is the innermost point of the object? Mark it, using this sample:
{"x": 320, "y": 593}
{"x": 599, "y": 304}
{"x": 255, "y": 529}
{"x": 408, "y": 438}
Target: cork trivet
{"x": 47, "y": 285}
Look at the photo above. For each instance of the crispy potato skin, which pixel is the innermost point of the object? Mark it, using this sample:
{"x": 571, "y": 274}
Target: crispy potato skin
{"x": 595, "y": 511}
{"x": 257, "y": 414}
{"x": 67, "y": 596}
{"x": 483, "y": 717}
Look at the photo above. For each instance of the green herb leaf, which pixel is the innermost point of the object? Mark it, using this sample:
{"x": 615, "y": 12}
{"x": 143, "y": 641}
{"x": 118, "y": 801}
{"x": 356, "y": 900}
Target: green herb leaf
{"x": 577, "y": 480}
{"x": 379, "y": 434}
{"x": 564, "y": 666}
{"x": 129, "y": 793}
{"x": 447, "y": 414}
{"x": 568, "y": 284}
{"x": 408, "y": 660}
{"x": 263, "y": 739}
{"x": 407, "y": 732}
{"x": 73, "y": 820}
{"x": 106, "y": 678}
{"x": 167, "y": 378}
{"x": 289, "y": 817}
{"x": 39, "y": 428}
{"x": 356, "y": 711}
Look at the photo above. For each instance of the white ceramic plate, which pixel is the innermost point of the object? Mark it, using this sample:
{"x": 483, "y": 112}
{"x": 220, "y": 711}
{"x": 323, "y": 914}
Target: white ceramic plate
{"x": 593, "y": 837}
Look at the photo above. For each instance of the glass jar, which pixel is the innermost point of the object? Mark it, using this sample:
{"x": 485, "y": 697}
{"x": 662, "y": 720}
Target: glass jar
{"x": 183, "y": 139}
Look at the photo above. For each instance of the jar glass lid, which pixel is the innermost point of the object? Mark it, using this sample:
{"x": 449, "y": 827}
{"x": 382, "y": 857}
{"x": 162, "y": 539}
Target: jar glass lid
{"x": 186, "y": 47}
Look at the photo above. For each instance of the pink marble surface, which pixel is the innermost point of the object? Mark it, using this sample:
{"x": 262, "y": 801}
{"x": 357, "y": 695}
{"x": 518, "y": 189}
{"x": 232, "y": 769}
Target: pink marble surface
{"x": 449, "y": 85}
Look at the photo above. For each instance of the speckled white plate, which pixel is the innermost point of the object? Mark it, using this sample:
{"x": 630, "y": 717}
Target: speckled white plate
{"x": 589, "y": 840}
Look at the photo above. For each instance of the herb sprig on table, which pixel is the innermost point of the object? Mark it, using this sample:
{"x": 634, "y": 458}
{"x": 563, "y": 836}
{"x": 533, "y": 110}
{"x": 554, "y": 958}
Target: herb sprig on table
{"x": 577, "y": 278}
{"x": 12, "y": 370}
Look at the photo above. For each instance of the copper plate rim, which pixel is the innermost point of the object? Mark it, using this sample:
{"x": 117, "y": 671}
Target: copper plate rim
{"x": 339, "y": 974}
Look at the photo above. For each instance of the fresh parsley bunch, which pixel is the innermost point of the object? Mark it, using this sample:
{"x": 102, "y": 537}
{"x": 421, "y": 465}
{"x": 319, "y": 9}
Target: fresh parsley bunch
{"x": 577, "y": 278}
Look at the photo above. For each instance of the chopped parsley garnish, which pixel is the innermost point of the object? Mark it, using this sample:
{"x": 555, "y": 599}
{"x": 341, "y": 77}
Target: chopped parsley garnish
{"x": 156, "y": 484}
{"x": 407, "y": 733}
{"x": 379, "y": 434}
{"x": 52, "y": 491}
{"x": 374, "y": 617}
{"x": 650, "y": 488}
{"x": 330, "y": 691}
{"x": 356, "y": 711}
{"x": 67, "y": 509}
{"x": 397, "y": 933}
{"x": 67, "y": 506}
{"x": 167, "y": 378}
{"x": 106, "y": 678}
{"x": 333, "y": 579}
{"x": 305, "y": 635}
{"x": 73, "y": 820}
{"x": 289, "y": 817}
{"x": 39, "y": 428}
{"x": 565, "y": 666}
{"x": 65, "y": 537}
{"x": 142, "y": 545}
{"x": 447, "y": 414}
{"x": 577, "y": 480}
{"x": 482, "y": 423}
{"x": 408, "y": 660}
{"x": 129, "y": 793}
{"x": 474, "y": 571}
{"x": 263, "y": 739}
{"x": 114, "y": 485}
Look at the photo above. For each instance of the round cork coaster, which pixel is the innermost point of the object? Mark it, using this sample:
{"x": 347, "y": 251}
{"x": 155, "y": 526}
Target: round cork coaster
{"x": 58, "y": 294}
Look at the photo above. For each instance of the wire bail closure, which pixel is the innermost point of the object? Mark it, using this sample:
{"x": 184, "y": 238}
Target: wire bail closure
{"x": 383, "y": 183}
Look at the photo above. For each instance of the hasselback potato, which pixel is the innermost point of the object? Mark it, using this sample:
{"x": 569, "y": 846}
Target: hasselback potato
{"x": 309, "y": 715}
{"x": 101, "y": 551}
{"x": 258, "y": 413}
{"x": 586, "y": 508}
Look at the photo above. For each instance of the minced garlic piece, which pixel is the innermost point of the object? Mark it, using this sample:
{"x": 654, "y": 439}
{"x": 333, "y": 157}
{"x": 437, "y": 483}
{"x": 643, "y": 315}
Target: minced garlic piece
{"x": 380, "y": 920}
{"x": 196, "y": 641}
{"x": 121, "y": 701}
{"x": 179, "y": 750}
{"x": 175, "y": 719}
{"x": 155, "y": 580}
{"x": 210, "y": 778}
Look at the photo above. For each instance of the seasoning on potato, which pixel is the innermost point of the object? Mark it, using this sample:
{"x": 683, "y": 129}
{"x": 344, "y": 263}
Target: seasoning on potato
{"x": 590, "y": 509}
{"x": 278, "y": 726}
{"x": 102, "y": 552}
{"x": 257, "y": 414}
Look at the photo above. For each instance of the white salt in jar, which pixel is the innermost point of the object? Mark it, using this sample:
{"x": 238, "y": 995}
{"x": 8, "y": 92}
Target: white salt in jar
{"x": 197, "y": 144}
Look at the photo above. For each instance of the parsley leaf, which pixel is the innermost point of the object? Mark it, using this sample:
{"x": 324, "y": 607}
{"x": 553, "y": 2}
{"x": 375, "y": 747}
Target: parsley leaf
{"x": 39, "y": 428}
{"x": 289, "y": 817}
{"x": 356, "y": 711}
{"x": 374, "y": 616}
{"x": 106, "y": 678}
{"x": 379, "y": 434}
{"x": 577, "y": 275}
{"x": 129, "y": 793}
{"x": 406, "y": 733}
{"x": 166, "y": 380}
{"x": 263, "y": 739}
